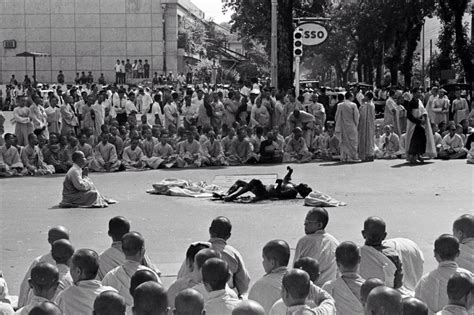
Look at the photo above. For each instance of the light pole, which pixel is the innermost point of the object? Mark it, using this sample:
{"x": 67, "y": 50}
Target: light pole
{"x": 274, "y": 46}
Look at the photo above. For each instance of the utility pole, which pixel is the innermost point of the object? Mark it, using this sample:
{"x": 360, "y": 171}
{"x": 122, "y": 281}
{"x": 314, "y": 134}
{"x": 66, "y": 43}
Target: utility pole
{"x": 274, "y": 45}
{"x": 423, "y": 56}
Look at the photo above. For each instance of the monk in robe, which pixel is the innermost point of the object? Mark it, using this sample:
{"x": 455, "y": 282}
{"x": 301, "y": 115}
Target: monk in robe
{"x": 379, "y": 260}
{"x": 412, "y": 306}
{"x": 165, "y": 152}
{"x": 44, "y": 282}
{"x": 22, "y": 121}
{"x": 318, "y": 244}
{"x": 188, "y": 301}
{"x": 33, "y": 159}
{"x": 390, "y": 144}
{"x": 54, "y": 116}
{"x": 248, "y": 307}
{"x": 148, "y": 145}
{"x": 10, "y": 162}
{"x": 368, "y": 286}
{"x": 296, "y": 150}
{"x": 133, "y": 247}
{"x": 460, "y": 289}
{"x": 68, "y": 116}
{"x": 54, "y": 234}
{"x": 213, "y": 154}
{"x": 227, "y": 142}
{"x": 93, "y": 116}
{"x": 347, "y": 121}
{"x": 186, "y": 280}
{"x": 345, "y": 289}
{"x": 53, "y": 154}
{"x": 150, "y": 298}
{"x": 452, "y": 145}
{"x": 62, "y": 251}
{"x": 38, "y": 115}
{"x": 85, "y": 148}
{"x": 366, "y": 128}
{"x": 109, "y": 302}
{"x": 190, "y": 152}
{"x": 105, "y": 156}
{"x": 305, "y": 121}
{"x": 432, "y": 288}
{"x": 133, "y": 156}
{"x": 46, "y": 307}
{"x": 241, "y": 150}
{"x": 79, "y": 298}
{"x": 384, "y": 301}
{"x": 267, "y": 290}
{"x": 114, "y": 256}
{"x": 259, "y": 115}
{"x": 463, "y": 230}
{"x": 270, "y": 150}
{"x": 78, "y": 189}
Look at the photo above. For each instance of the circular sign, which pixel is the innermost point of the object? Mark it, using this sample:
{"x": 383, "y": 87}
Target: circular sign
{"x": 313, "y": 33}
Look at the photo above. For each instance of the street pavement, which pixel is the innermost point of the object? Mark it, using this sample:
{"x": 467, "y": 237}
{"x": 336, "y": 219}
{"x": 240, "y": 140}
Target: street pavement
{"x": 417, "y": 202}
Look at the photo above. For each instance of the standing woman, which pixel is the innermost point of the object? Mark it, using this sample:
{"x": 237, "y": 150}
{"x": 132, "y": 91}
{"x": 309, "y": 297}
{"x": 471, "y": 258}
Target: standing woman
{"x": 419, "y": 138}
{"x": 22, "y": 120}
{"x": 54, "y": 116}
{"x": 367, "y": 128}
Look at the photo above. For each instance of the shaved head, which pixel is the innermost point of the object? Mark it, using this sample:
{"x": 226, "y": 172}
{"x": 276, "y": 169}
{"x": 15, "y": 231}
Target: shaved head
{"x": 215, "y": 273}
{"x": 150, "y": 299}
{"x": 310, "y": 265}
{"x": 118, "y": 227}
{"x": 57, "y": 233}
{"x": 296, "y": 282}
{"x": 46, "y": 308}
{"x": 132, "y": 243}
{"x": 248, "y": 307}
{"x": 384, "y": 301}
{"x": 203, "y": 255}
{"x": 44, "y": 280}
{"x": 141, "y": 276}
{"x": 374, "y": 230}
{"x": 446, "y": 247}
{"x": 367, "y": 286}
{"x": 221, "y": 227}
{"x": 189, "y": 302}
{"x": 465, "y": 225}
{"x": 109, "y": 303}
{"x": 412, "y": 306}
{"x": 62, "y": 251}
{"x": 348, "y": 255}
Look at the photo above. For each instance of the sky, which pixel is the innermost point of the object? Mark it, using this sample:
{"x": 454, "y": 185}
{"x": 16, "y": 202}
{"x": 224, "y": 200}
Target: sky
{"x": 212, "y": 9}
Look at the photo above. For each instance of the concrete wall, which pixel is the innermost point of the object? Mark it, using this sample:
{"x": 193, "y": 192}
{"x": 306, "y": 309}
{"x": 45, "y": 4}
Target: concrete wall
{"x": 82, "y": 35}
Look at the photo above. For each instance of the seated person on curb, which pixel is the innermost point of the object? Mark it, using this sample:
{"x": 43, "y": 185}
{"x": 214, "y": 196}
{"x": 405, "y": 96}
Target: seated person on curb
{"x": 132, "y": 157}
{"x": 267, "y": 290}
{"x": 133, "y": 246}
{"x": 463, "y": 230}
{"x": 188, "y": 302}
{"x": 346, "y": 289}
{"x": 384, "y": 301}
{"x": 452, "y": 146}
{"x": 215, "y": 274}
{"x": 78, "y": 189}
{"x": 296, "y": 150}
{"x": 432, "y": 288}
{"x": 460, "y": 289}
{"x": 318, "y": 244}
{"x": 33, "y": 159}
{"x": 79, "y": 298}
{"x": 240, "y": 151}
{"x": 44, "y": 282}
{"x": 109, "y": 303}
{"x": 10, "y": 162}
{"x": 190, "y": 152}
{"x": 150, "y": 298}
{"x": 270, "y": 150}
{"x": 165, "y": 152}
{"x": 212, "y": 150}
{"x": 284, "y": 189}
{"x": 390, "y": 144}
{"x": 105, "y": 156}
{"x": 413, "y": 306}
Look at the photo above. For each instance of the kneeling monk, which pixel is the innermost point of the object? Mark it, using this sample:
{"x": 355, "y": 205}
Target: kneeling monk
{"x": 78, "y": 189}
{"x": 284, "y": 189}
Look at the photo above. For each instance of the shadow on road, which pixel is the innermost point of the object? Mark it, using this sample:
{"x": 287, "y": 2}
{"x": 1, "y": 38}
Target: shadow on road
{"x": 405, "y": 164}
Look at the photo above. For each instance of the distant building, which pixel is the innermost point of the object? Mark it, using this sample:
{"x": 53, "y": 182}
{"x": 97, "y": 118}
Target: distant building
{"x": 90, "y": 35}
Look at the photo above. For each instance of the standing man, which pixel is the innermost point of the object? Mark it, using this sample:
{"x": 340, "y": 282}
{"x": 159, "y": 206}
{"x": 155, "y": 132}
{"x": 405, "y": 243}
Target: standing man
{"x": 347, "y": 121}
{"x": 146, "y": 69}
{"x": 128, "y": 70}
{"x": 117, "y": 68}
{"x": 366, "y": 128}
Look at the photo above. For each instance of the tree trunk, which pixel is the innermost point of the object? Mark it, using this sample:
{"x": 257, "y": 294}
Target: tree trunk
{"x": 359, "y": 70}
{"x": 461, "y": 44}
{"x": 394, "y": 75}
{"x": 285, "y": 44}
{"x": 407, "y": 65}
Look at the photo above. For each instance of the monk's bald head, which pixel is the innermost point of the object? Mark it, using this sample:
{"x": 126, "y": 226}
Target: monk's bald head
{"x": 248, "y": 307}
{"x": 44, "y": 280}
{"x": 460, "y": 285}
{"x": 446, "y": 247}
{"x": 412, "y": 306}
{"x": 347, "y": 256}
{"x": 86, "y": 262}
{"x": 118, "y": 227}
{"x": 132, "y": 243}
{"x": 374, "y": 230}
{"x": 296, "y": 283}
{"x": 221, "y": 227}
{"x": 203, "y": 255}
{"x": 215, "y": 273}
{"x": 141, "y": 276}
{"x": 367, "y": 286}
{"x": 463, "y": 227}
{"x": 109, "y": 303}
{"x": 150, "y": 299}
{"x": 384, "y": 301}
{"x": 189, "y": 302}
{"x": 46, "y": 308}
{"x": 57, "y": 233}
{"x": 310, "y": 265}
{"x": 62, "y": 251}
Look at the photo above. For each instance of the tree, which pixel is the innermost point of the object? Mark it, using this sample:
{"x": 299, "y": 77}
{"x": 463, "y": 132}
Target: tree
{"x": 192, "y": 36}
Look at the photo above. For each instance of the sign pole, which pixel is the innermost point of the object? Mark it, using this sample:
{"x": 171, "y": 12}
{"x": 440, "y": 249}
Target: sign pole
{"x": 274, "y": 46}
{"x": 297, "y": 76}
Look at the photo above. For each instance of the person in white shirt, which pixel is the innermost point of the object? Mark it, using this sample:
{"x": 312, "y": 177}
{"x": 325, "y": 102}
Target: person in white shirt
{"x": 118, "y": 68}
{"x": 44, "y": 282}
{"x": 215, "y": 274}
{"x": 150, "y": 298}
{"x": 109, "y": 303}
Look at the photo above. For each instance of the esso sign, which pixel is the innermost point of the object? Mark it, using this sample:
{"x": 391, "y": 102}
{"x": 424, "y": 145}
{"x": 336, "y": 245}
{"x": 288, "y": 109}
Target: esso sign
{"x": 313, "y": 33}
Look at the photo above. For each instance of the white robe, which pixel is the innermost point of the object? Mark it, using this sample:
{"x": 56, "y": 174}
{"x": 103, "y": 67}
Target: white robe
{"x": 466, "y": 256}
{"x": 35, "y": 300}
{"x": 321, "y": 246}
{"x": 374, "y": 264}
{"x": 453, "y": 310}
{"x": 432, "y": 288}
{"x": 119, "y": 278}
{"x": 79, "y": 298}
{"x": 346, "y": 301}
{"x": 267, "y": 290}
{"x": 205, "y": 294}
{"x": 220, "y": 303}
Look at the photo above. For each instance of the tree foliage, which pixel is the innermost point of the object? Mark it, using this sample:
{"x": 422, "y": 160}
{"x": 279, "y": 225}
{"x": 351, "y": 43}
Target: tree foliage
{"x": 192, "y": 36}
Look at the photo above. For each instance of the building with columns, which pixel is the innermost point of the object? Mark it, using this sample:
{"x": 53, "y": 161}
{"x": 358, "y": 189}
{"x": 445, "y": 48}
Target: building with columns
{"x": 90, "y": 35}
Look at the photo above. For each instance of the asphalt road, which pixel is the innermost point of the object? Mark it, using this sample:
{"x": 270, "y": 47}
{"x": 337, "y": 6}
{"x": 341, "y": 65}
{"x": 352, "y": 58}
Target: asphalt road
{"x": 418, "y": 202}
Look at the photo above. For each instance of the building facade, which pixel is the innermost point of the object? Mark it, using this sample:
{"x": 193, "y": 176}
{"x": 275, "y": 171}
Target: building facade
{"x": 89, "y": 35}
